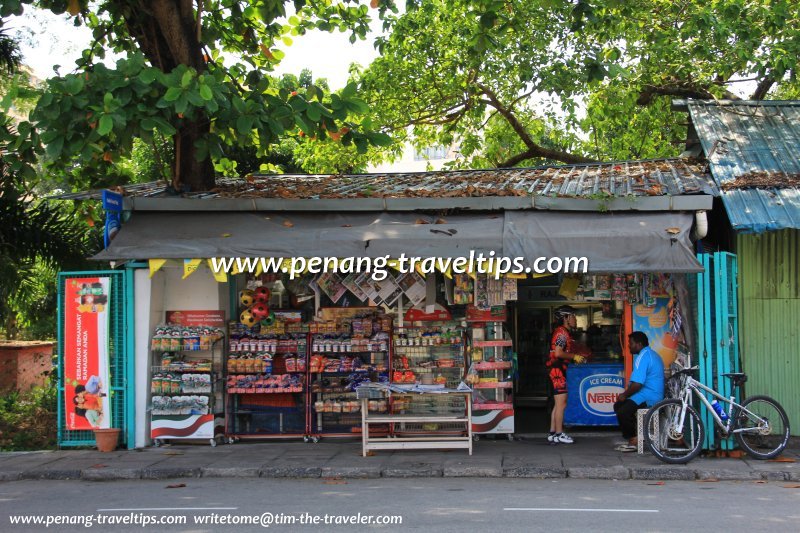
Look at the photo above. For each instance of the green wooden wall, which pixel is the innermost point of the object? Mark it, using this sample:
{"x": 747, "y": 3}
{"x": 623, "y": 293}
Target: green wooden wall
{"x": 769, "y": 311}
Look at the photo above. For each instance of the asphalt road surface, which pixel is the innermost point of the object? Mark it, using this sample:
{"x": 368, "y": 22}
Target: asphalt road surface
{"x": 441, "y": 505}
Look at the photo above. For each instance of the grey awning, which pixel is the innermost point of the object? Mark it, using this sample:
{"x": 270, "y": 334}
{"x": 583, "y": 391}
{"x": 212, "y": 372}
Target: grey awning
{"x": 204, "y": 235}
{"x": 613, "y": 242}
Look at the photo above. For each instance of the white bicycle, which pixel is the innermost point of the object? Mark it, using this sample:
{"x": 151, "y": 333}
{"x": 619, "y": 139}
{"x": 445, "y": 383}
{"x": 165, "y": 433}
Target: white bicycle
{"x": 675, "y": 430}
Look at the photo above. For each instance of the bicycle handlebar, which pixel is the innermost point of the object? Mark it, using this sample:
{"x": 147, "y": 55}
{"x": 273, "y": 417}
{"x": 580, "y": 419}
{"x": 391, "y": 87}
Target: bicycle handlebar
{"x": 686, "y": 371}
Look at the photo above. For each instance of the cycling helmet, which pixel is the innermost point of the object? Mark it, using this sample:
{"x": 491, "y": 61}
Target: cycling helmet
{"x": 564, "y": 311}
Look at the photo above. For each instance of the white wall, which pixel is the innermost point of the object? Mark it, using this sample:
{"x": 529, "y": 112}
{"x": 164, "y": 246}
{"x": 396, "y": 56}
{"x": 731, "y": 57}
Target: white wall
{"x": 143, "y": 320}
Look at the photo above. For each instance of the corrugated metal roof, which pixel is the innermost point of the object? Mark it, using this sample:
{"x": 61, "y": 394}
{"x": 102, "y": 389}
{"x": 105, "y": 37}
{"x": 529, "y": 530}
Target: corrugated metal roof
{"x": 510, "y": 188}
{"x": 756, "y": 142}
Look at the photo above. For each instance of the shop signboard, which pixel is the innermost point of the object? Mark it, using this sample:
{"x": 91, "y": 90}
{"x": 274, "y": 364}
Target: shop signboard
{"x": 112, "y": 203}
{"x": 496, "y": 313}
{"x": 213, "y": 318}
{"x": 86, "y": 354}
{"x": 597, "y": 386}
{"x": 416, "y": 314}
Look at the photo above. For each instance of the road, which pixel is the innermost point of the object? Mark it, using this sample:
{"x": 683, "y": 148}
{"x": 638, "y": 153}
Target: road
{"x": 444, "y": 505}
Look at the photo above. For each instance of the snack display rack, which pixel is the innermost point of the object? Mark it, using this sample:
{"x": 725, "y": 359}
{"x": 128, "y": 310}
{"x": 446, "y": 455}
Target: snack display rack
{"x": 184, "y": 373}
{"x": 432, "y": 354}
{"x": 266, "y": 384}
{"x": 344, "y": 355}
{"x": 490, "y": 376}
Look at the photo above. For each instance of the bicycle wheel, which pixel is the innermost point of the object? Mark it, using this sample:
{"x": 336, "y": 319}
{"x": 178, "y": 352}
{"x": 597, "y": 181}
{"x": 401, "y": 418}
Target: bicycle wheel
{"x": 670, "y": 440}
{"x": 762, "y": 427}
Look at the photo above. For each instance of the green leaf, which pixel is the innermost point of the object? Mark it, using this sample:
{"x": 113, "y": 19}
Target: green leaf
{"x": 380, "y": 139}
{"x": 173, "y": 93}
{"x": 206, "y": 93}
{"x": 356, "y": 106}
{"x": 303, "y": 125}
{"x": 313, "y": 113}
{"x": 54, "y": 148}
{"x": 186, "y": 80}
{"x": 181, "y": 104}
{"x": 195, "y": 99}
{"x": 361, "y": 145}
{"x": 148, "y": 76}
{"x": 165, "y": 128}
{"x": 244, "y": 124}
{"x": 105, "y": 125}
{"x": 350, "y": 90}
{"x": 73, "y": 84}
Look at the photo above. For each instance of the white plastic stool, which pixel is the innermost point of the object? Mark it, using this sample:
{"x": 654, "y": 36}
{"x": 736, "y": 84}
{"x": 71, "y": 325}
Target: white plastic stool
{"x": 640, "y": 415}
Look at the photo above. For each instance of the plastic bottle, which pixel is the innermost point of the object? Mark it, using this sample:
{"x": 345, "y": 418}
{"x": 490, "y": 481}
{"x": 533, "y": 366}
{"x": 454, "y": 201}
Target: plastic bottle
{"x": 719, "y": 410}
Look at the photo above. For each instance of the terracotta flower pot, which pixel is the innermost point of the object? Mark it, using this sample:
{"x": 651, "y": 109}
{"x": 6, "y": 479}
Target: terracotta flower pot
{"x": 106, "y": 439}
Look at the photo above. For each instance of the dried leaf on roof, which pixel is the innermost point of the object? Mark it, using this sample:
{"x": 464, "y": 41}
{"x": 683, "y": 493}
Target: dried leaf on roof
{"x": 763, "y": 179}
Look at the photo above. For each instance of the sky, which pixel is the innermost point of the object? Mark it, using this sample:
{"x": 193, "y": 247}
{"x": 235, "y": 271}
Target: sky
{"x": 49, "y": 40}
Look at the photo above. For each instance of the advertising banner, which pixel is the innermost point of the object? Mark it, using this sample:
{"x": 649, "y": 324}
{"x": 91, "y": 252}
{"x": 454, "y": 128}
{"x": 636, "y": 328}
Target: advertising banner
{"x": 86, "y": 356}
{"x": 596, "y": 388}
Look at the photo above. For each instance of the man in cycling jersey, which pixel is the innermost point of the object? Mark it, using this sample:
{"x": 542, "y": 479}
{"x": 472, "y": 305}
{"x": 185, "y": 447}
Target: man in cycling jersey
{"x": 646, "y": 387}
{"x": 562, "y": 352}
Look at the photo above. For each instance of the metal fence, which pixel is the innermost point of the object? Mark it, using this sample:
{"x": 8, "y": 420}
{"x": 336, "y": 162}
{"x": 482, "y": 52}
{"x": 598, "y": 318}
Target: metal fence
{"x": 120, "y": 354}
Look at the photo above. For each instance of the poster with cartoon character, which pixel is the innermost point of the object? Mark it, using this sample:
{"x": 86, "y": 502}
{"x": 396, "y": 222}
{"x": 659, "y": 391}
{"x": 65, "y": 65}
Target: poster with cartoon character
{"x": 86, "y": 356}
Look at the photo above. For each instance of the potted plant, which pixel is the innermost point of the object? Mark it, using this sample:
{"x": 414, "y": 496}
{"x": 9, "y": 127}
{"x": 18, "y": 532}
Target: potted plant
{"x": 106, "y": 439}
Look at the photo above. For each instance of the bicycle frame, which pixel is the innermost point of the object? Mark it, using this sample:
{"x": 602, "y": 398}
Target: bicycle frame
{"x": 694, "y": 385}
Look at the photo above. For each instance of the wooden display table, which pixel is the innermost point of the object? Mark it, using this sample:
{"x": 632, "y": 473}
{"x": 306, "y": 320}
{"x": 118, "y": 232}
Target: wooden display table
{"x": 422, "y": 442}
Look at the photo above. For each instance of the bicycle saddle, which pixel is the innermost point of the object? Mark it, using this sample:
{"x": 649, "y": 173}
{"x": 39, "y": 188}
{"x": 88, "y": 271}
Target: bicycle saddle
{"x": 737, "y": 377}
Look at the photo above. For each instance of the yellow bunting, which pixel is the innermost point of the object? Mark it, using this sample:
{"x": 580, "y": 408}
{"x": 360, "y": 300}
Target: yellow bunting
{"x": 471, "y": 272}
{"x": 155, "y": 265}
{"x": 447, "y": 271}
{"x": 259, "y": 268}
{"x": 220, "y": 276}
{"x": 190, "y": 266}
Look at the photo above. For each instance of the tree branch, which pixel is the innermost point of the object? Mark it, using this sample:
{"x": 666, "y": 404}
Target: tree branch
{"x": 534, "y": 149}
{"x": 763, "y": 87}
{"x": 649, "y": 92}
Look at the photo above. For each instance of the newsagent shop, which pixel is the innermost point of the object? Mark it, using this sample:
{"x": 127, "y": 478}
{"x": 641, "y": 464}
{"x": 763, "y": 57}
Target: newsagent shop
{"x": 165, "y": 348}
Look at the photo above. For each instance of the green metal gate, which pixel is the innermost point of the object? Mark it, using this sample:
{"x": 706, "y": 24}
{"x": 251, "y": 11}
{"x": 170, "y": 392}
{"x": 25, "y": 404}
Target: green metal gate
{"x": 121, "y": 368}
{"x": 718, "y": 331}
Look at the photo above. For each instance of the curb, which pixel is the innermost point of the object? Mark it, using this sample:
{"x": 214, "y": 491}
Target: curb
{"x": 619, "y": 472}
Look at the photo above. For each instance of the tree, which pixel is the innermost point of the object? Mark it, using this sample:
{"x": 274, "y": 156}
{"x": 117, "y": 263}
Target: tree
{"x": 574, "y": 81}
{"x": 36, "y": 237}
{"x": 176, "y": 78}
{"x": 10, "y": 58}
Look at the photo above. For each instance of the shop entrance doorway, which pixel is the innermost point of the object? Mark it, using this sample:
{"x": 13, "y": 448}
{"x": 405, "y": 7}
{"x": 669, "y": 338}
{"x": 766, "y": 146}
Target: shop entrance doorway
{"x": 531, "y": 323}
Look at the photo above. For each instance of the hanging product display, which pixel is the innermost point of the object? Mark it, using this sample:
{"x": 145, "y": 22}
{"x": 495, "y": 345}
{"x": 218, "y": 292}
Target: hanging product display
{"x": 266, "y": 382}
{"x": 351, "y": 348}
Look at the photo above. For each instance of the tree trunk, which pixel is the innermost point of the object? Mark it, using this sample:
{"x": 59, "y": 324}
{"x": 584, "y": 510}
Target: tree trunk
{"x": 189, "y": 174}
{"x": 166, "y": 32}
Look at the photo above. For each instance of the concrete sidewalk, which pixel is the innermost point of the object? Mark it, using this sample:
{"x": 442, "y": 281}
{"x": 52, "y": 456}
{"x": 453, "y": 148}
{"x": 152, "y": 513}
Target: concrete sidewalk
{"x": 591, "y": 457}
